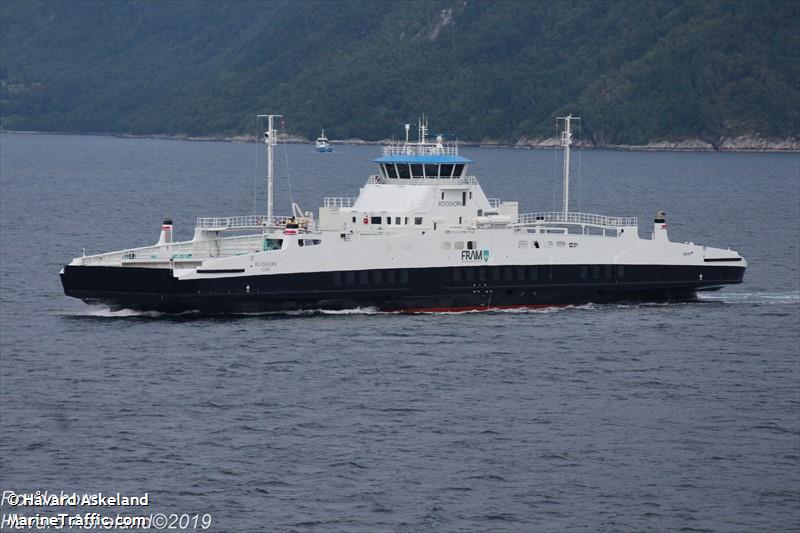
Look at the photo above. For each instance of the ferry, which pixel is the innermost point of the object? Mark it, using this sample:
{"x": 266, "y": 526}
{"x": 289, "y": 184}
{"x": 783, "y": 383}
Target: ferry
{"x": 323, "y": 145}
{"x": 421, "y": 236}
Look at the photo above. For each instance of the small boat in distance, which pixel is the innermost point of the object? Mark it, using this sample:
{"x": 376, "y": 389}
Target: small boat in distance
{"x": 421, "y": 236}
{"x": 322, "y": 143}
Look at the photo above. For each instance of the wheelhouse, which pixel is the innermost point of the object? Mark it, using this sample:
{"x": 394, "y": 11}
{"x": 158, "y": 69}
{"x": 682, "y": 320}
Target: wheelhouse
{"x": 398, "y": 168}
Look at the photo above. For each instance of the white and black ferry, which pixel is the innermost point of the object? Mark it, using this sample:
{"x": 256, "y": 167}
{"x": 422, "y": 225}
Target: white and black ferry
{"x": 421, "y": 236}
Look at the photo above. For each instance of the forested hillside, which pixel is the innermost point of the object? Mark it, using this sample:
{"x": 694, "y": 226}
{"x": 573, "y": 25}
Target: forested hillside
{"x": 635, "y": 71}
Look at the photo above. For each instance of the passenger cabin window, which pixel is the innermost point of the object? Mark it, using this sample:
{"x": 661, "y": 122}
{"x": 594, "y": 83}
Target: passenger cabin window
{"x": 459, "y": 171}
{"x": 416, "y": 171}
{"x": 397, "y": 220}
{"x": 375, "y": 220}
{"x": 446, "y": 171}
{"x": 418, "y": 221}
{"x": 431, "y": 171}
{"x": 391, "y": 172}
{"x": 403, "y": 172}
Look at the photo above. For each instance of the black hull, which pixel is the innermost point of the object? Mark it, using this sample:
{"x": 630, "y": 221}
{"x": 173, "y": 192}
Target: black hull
{"x": 411, "y": 290}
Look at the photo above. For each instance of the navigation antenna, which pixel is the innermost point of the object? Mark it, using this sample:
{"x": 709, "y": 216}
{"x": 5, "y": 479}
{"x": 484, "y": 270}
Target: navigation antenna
{"x": 269, "y": 140}
{"x": 566, "y": 141}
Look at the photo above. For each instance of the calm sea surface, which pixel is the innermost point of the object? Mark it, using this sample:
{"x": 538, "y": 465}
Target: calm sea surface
{"x": 595, "y": 418}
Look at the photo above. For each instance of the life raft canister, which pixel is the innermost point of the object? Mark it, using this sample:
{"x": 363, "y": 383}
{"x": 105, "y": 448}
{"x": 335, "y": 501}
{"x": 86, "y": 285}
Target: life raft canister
{"x": 291, "y": 227}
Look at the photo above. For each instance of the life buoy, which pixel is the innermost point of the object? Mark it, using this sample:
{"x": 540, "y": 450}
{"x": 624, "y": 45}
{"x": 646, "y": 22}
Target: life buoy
{"x": 366, "y": 220}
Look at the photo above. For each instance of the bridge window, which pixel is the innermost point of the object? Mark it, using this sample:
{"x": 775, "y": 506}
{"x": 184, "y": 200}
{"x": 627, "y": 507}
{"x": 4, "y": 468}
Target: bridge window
{"x": 403, "y": 172}
{"x": 416, "y": 171}
{"x": 458, "y": 171}
{"x": 391, "y": 172}
{"x": 431, "y": 171}
{"x": 446, "y": 171}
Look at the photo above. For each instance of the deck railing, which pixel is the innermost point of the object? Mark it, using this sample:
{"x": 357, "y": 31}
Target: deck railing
{"x": 336, "y": 202}
{"x": 240, "y": 222}
{"x": 586, "y": 219}
{"x": 469, "y": 180}
{"x": 421, "y": 149}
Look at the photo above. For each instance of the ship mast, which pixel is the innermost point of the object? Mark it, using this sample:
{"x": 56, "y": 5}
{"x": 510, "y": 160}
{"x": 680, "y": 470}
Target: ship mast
{"x": 566, "y": 141}
{"x": 269, "y": 140}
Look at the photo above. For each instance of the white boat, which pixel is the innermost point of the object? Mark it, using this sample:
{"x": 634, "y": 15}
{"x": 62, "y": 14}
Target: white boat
{"x": 420, "y": 236}
{"x": 323, "y": 145}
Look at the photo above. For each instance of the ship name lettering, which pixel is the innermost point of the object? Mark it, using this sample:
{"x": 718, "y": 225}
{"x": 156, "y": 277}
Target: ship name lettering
{"x": 474, "y": 255}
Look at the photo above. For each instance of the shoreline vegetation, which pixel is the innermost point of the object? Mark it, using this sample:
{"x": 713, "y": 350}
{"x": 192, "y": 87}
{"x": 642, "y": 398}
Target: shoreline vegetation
{"x": 744, "y": 143}
{"x": 682, "y": 75}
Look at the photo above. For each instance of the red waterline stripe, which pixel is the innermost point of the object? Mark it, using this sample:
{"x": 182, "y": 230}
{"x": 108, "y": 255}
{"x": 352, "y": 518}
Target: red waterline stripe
{"x": 413, "y": 310}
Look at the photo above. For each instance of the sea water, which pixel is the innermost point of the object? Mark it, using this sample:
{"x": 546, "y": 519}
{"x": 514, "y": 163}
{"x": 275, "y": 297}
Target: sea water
{"x": 595, "y": 418}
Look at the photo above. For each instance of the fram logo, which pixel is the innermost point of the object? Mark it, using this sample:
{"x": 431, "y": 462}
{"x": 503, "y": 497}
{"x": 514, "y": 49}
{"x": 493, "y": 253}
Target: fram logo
{"x": 474, "y": 255}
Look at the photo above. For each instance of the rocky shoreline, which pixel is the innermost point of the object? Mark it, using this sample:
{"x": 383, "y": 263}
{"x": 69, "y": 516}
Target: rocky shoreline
{"x": 743, "y": 143}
